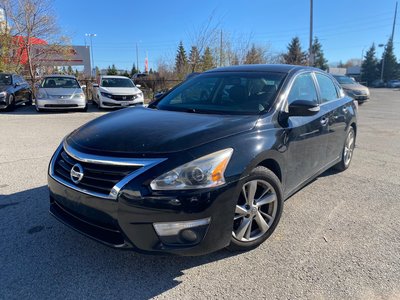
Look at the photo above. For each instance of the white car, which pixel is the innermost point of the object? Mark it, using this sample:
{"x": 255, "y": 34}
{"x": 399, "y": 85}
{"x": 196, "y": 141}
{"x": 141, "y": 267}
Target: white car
{"x": 60, "y": 92}
{"x": 117, "y": 91}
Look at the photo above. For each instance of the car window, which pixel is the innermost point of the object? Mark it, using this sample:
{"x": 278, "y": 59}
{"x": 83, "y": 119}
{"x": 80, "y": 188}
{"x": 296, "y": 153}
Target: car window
{"x": 16, "y": 79}
{"x": 117, "y": 82}
{"x": 5, "y": 79}
{"x": 60, "y": 82}
{"x": 225, "y": 93}
{"x": 303, "y": 88}
{"x": 327, "y": 88}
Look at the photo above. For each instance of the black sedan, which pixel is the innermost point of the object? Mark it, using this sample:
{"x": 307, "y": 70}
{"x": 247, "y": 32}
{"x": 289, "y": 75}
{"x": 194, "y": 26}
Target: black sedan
{"x": 208, "y": 165}
{"x": 14, "y": 90}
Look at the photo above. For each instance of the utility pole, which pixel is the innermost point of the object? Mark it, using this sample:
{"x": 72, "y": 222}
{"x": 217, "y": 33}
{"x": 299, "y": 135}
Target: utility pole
{"x": 220, "y": 51}
{"x": 383, "y": 58}
{"x": 137, "y": 58}
{"x": 394, "y": 22}
{"x": 310, "y": 52}
{"x": 91, "y": 35}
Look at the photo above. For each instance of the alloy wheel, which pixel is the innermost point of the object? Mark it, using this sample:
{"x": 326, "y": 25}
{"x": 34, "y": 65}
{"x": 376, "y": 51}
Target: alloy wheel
{"x": 349, "y": 148}
{"x": 255, "y": 211}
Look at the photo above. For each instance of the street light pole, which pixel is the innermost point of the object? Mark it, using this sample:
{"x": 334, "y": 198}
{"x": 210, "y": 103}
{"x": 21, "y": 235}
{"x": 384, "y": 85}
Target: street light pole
{"x": 91, "y": 35}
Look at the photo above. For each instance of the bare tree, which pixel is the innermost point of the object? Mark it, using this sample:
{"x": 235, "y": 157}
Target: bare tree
{"x": 35, "y": 19}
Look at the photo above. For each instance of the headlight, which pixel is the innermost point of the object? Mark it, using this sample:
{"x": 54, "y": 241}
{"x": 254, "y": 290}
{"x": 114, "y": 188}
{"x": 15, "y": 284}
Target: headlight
{"x": 41, "y": 94}
{"x": 139, "y": 95}
{"x": 79, "y": 96}
{"x": 106, "y": 95}
{"x": 3, "y": 94}
{"x": 204, "y": 172}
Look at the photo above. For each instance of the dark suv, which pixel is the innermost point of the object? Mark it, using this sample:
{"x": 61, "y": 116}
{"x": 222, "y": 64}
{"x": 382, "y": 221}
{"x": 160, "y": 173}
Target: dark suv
{"x": 14, "y": 90}
{"x": 208, "y": 165}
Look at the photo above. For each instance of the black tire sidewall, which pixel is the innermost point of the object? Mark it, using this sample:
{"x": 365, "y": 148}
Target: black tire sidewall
{"x": 262, "y": 173}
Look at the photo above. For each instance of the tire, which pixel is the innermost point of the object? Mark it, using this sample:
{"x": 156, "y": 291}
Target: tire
{"x": 11, "y": 103}
{"x": 347, "y": 152}
{"x": 29, "y": 102}
{"x": 258, "y": 210}
{"x": 38, "y": 109}
{"x": 85, "y": 109}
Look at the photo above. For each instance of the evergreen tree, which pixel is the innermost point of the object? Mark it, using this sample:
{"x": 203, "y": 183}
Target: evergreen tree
{"x": 126, "y": 74}
{"x": 194, "y": 59}
{"x": 97, "y": 71}
{"x": 390, "y": 66}
{"x": 207, "y": 60}
{"x": 112, "y": 70}
{"x": 295, "y": 56}
{"x": 319, "y": 60}
{"x": 63, "y": 70}
{"x": 134, "y": 70}
{"x": 255, "y": 56}
{"x": 181, "y": 62}
{"x": 76, "y": 73}
{"x": 235, "y": 60}
{"x": 369, "y": 67}
{"x": 70, "y": 71}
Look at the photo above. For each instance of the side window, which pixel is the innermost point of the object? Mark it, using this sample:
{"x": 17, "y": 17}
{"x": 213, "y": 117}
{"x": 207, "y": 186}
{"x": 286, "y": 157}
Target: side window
{"x": 15, "y": 79}
{"x": 327, "y": 88}
{"x": 303, "y": 88}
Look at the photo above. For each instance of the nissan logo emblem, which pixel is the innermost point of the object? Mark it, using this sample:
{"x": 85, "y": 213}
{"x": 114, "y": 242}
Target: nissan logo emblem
{"x": 76, "y": 173}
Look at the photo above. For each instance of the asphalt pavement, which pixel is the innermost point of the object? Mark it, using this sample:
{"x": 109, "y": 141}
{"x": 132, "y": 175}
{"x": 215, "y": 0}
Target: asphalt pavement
{"x": 339, "y": 237}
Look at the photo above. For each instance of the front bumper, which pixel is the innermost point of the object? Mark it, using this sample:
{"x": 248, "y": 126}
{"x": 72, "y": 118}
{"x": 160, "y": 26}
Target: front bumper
{"x": 111, "y": 103}
{"x": 127, "y": 222}
{"x": 60, "y": 103}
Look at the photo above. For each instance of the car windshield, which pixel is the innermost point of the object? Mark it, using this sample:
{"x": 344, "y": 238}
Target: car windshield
{"x": 5, "y": 79}
{"x": 225, "y": 93}
{"x": 60, "y": 82}
{"x": 117, "y": 82}
{"x": 344, "y": 80}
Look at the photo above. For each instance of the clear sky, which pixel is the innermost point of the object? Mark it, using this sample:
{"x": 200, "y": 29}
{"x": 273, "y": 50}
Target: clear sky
{"x": 344, "y": 27}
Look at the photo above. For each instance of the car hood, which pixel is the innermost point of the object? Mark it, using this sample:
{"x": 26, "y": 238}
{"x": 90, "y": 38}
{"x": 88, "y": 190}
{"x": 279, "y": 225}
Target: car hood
{"x": 354, "y": 86}
{"x": 120, "y": 90}
{"x": 137, "y": 131}
{"x": 4, "y": 87}
{"x": 61, "y": 91}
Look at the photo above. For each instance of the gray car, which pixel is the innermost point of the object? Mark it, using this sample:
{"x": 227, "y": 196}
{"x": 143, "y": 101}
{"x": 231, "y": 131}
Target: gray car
{"x": 57, "y": 92}
{"x": 353, "y": 89}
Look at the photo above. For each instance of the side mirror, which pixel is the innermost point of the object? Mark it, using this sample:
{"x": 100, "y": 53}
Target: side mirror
{"x": 138, "y": 86}
{"x": 17, "y": 84}
{"x": 158, "y": 95}
{"x": 303, "y": 108}
{"x": 83, "y": 87}
{"x": 95, "y": 85}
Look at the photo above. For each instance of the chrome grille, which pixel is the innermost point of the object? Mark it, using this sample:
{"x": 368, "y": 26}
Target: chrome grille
{"x": 98, "y": 178}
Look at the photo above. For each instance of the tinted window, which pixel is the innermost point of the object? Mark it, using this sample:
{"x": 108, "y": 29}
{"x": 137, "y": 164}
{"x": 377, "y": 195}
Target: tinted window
{"x": 327, "y": 88}
{"x": 303, "y": 88}
{"x": 117, "y": 82}
{"x": 60, "y": 82}
{"x": 225, "y": 92}
{"x": 344, "y": 80}
{"x": 5, "y": 79}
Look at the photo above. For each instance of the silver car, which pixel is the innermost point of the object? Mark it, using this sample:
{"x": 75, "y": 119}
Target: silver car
{"x": 57, "y": 92}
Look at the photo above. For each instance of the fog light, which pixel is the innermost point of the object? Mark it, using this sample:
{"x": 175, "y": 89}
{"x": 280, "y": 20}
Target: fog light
{"x": 189, "y": 235}
{"x": 173, "y": 228}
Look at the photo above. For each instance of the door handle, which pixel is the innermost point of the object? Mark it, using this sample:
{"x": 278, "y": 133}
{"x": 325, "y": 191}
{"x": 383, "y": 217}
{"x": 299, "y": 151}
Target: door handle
{"x": 324, "y": 121}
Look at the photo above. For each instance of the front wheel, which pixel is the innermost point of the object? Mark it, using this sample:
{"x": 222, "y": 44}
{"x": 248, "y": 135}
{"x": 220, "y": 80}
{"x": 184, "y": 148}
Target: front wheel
{"x": 347, "y": 152}
{"x": 29, "y": 102}
{"x": 257, "y": 211}
{"x": 11, "y": 103}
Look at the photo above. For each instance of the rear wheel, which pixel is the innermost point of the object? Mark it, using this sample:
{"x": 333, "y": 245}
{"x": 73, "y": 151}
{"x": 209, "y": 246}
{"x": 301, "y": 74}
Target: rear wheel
{"x": 11, "y": 103}
{"x": 348, "y": 149}
{"x": 257, "y": 211}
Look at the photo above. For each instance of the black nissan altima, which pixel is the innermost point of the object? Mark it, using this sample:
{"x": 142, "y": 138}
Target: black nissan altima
{"x": 208, "y": 165}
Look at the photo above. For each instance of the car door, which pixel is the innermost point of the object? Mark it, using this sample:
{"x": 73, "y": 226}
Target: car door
{"x": 24, "y": 89}
{"x": 306, "y": 142}
{"x": 336, "y": 106}
{"x": 17, "y": 89}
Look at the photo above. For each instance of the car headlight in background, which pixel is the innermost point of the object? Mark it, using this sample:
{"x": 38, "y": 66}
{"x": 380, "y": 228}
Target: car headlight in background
{"x": 204, "y": 172}
{"x": 3, "y": 94}
{"x": 139, "y": 95}
{"x": 106, "y": 95}
{"x": 41, "y": 94}
{"x": 79, "y": 95}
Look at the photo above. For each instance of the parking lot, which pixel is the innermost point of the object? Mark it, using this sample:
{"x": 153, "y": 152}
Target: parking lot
{"x": 339, "y": 237}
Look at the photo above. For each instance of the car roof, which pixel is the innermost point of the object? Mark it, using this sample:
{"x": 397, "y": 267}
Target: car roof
{"x": 282, "y": 68}
{"x": 58, "y": 75}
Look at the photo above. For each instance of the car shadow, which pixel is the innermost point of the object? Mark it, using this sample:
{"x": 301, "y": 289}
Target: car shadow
{"x": 41, "y": 257}
{"x": 30, "y": 110}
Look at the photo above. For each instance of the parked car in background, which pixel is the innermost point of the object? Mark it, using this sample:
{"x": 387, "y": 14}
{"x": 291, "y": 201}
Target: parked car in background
{"x": 14, "y": 91}
{"x": 395, "y": 83}
{"x": 353, "y": 89}
{"x": 117, "y": 91}
{"x": 378, "y": 83}
{"x": 60, "y": 92}
{"x": 207, "y": 166}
